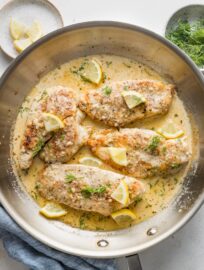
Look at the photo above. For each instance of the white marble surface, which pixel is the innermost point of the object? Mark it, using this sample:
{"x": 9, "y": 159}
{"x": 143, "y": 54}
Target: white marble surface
{"x": 184, "y": 250}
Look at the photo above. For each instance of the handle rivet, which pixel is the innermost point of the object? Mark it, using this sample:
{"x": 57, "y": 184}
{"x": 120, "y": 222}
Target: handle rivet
{"x": 102, "y": 243}
{"x": 152, "y": 231}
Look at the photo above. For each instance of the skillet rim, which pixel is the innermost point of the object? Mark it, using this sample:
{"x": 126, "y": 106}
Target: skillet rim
{"x": 126, "y": 251}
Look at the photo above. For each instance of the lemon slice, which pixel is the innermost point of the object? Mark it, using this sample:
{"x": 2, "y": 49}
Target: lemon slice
{"x": 123, "y": 216}
{"x": 121, "y": 194}
{"x": 118, "y": 155}
{"x": 133, "y": 99}
{"x": 52, "y": 210}
{"x": 92, "y": 72}
{"x": 52, "y": 122}
{"x": 34, "y": 32}
{"x": 17, "y": 29}
{"x": 22, "y": 44}
{"x": 170, "y": 130}
{"x": 90, "y": 161}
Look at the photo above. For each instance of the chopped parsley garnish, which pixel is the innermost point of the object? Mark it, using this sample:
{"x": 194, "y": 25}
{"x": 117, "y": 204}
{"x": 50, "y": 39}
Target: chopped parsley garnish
{"x": 43, "y": 95}
{"x": 164, "y": 149}
{"x": 104, "y": 76}
{"x": 38, "y": 147}
{"x": 108, "y": 63}
{"x": 175, "y": 165}
{"x": 88, "y": 191}
{"x": 107, "y": 90}
{"x": 69, "y": 178}
{"x": 125, "y": 88}
{"x": 128, "y": 66}
{"x": 76, "y": 70}
{"x": 190, "y": 38}
{"x": 137, "y": 200}
{"x": 62, "y": 137}
{"x": 23, "y": 109}
{"x": 82, "y": 220}
{"x": 82, "y": 223}
{"x": 153, "y": 144}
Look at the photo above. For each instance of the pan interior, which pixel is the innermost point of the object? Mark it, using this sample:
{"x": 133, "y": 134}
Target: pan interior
{"x": 79, "y": 41}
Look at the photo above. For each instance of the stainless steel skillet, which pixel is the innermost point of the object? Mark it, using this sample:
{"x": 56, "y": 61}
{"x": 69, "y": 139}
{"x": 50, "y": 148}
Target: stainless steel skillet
{"x": 80, "y": 40}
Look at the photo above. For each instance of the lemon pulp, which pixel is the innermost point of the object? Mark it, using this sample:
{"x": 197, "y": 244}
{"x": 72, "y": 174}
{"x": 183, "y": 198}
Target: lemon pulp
{"x": 118, "y": 155}
{"x": 133, "y": 99}
{"x": 121, "y": 194}
{"x": 170, "y": 130}
{"x": 52, "y": 122}
{"x": 92, "y": 72}
{"x": 90, "y": 161}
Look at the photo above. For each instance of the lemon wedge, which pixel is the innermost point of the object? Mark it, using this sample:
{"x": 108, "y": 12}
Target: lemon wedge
{"x": 132, "y": 98}
{"x": 123, "y": 216}
{"x": 52, "y": 122}
{"x": 34, "y": 32}
{"x": 90, "y": 161}
{"x": 17, "y": 29}
{"x": 118, "y": 155}
{"x": 121, "y": 194}
{"x": 170, "y": 131}
{"x": 22, "y": 44}
{"x": 92, "y": 72}
{"x": 52, "y": 210}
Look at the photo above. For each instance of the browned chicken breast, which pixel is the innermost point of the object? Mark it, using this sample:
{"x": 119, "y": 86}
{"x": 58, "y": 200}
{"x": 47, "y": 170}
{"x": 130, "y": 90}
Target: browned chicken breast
{"x": 58, "y": 101}
{"x": 144, "y": 152}
{"x": 86, "y": 188}
{"x": 109, "y": 106}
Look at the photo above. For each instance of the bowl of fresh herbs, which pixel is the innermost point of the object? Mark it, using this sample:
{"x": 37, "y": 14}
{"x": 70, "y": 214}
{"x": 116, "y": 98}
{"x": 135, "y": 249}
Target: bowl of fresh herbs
{"x": 186, "y": 30}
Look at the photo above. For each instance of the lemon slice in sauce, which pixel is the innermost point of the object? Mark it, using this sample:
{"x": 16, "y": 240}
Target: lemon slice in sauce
{"x": 52, "y": 210}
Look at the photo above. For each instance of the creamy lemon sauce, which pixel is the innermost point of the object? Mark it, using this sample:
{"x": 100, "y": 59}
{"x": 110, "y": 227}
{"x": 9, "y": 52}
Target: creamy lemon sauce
{"x": 160, "y": 191}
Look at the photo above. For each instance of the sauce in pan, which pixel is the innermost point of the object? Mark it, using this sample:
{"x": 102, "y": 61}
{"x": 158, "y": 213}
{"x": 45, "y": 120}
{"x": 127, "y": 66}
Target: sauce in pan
{"x": 160, "y": 191}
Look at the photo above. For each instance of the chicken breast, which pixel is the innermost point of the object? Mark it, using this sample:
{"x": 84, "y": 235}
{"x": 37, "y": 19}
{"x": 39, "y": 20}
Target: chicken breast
{"x": 85, "y": 188}
{"x": 61, "y": 102}
{"x": 57, "y": 100}
{"x": 147, "y": 152}
{"x": 108, "y": 105}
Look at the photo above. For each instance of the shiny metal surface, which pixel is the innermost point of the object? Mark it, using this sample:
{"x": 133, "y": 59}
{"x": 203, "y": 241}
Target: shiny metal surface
{"x": 57, "y": 48}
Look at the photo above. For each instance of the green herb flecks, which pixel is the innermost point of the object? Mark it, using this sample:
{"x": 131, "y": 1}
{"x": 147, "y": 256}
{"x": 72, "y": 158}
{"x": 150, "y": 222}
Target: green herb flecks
{"x": 153, "y": 144}
{"x": 127, "y": 65}
{"x": 23, "y": 109}
{"x": 107, "y": 90}
{"x": 175, "y": 165}
{"x": 38, "y": 147}
{"x": 62, "y": 137}
{"x": 34, "y": 195}
{"x": 82, "y": 220}
{"x": 82, "y": 223}
{"x": 104, "y": 76}
{"x": 43, "y": 95}
{"x": 137, "y": 200}
{"x": 164, "y": 149}
{"x": 69, "y": 178}
{"x": 37, "y": 186}
{"x": 190, "y": 38}
{"x": 79, "y": 70}
{"x": 108, "y": 63}
{"x": 87, "y": 192}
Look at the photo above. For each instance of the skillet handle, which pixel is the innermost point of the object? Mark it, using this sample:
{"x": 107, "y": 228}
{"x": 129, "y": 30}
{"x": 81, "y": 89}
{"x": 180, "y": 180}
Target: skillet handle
{"x": 134, "y": 262}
